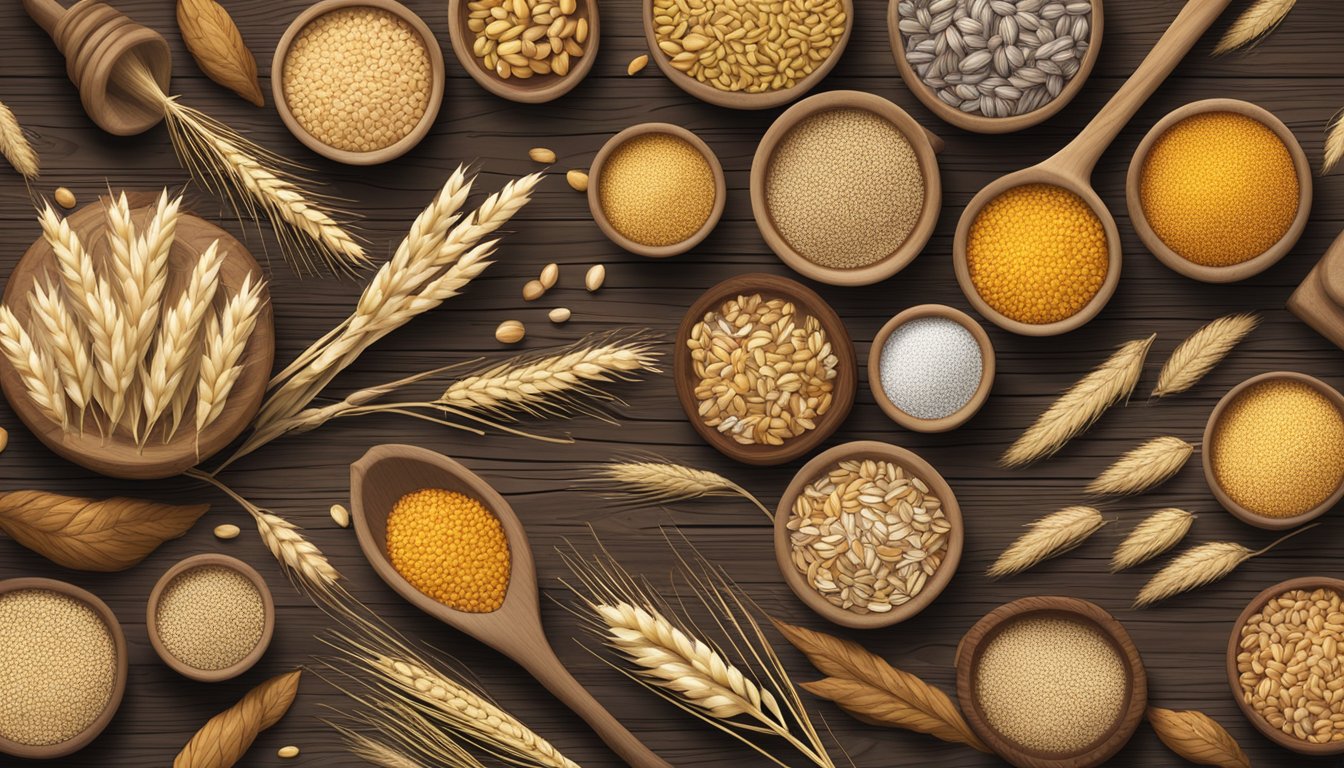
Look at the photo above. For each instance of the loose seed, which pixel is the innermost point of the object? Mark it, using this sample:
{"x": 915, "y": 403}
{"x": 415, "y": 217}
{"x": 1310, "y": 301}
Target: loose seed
{"x": 550, "y": 274}
{"x": 287, "y": 752}
{"x": 4, "y": 439}
{"x": 341, "y": 515}
{"x": 559, "y": 315}
{"x": 227, "y": 531}
{"x": 540, "y": 154}
{"x": 578, "y": 180}
{"x": 65, "y": 198}
{"x": 510, "y": 332}
{"x": 636, "y": 64}
{"x": 593, "y": 279}
{"x": 523, "y": 38}
{"x": 533, "y": 290}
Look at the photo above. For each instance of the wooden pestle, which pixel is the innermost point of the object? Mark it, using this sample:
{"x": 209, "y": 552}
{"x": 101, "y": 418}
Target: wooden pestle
{"x": 98, "y": 42}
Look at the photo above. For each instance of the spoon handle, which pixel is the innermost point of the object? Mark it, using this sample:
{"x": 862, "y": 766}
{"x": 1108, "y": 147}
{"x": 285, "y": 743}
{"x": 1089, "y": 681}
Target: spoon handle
{"x": 1081, "y": 154}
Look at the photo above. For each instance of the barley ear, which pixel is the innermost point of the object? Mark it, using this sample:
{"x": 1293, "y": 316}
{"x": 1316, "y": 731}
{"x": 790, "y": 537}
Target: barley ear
{"x": 1156, "y": 534}
{"x": 1050, "y": 536}
{"x": 1204, "y": 349}
{"x": 1199, "y": 566}
{"x": 1253, "y": 25}
{"x": 1334, "y": 144}
{"x": 1144, "y": 467}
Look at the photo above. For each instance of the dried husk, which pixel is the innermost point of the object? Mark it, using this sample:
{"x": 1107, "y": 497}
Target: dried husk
{"x": 226, "y": 737}
{"x": 218, "y": 48}
{"x": 1197, "y": 737}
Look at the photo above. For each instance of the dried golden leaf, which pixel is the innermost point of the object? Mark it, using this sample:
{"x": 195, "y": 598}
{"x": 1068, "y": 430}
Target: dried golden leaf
{"x": 226, "y": 737}
{"x": 1197, "y": 737}
{"x": 92, "y": 535}
{"x": 218, "y": 48}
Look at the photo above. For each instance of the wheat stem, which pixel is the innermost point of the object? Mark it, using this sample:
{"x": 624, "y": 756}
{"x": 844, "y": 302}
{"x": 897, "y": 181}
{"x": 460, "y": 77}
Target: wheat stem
{"x": 1201, "y": 565}
{"x": 659, "y": 481}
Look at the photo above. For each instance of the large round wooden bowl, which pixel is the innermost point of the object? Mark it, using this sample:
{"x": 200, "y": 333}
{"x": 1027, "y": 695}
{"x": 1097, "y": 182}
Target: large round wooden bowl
{"x": 78, "y": 742}
{"x": 533, "y": 90}
{"x": 977, "y": 639}
{"x": 117, "y": 455}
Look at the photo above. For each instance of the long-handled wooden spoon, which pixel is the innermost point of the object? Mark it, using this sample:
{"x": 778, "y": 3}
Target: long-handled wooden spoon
{"x": 1071, "y": 167}
{"x": 388, "y": 472}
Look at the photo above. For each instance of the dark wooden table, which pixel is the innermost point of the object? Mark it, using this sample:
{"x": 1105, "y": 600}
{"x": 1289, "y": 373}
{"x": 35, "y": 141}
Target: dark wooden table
{"x": 1296, "y": 74}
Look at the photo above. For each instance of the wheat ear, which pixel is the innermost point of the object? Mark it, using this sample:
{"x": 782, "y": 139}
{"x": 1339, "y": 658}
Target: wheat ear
{"x": 1199, "y": 566}
{"x": 14, "y": 145}
{"x": 1156, "y": 534}
{"x": 405, "y": 736}
{"x": 1334, "y": 143}
{"x": 1078, "y": 408}
{"x": 1144, "y": 467}
{"x": 65, "y": 339}
{"x": 377, "y": 753}
{"x": 226, "y": 337}
{"x": 1050, "y": 536}
{"x": 36, "y": 370}
{"x": 1204, "y": 349}
{"x": 658, "y": 481}
{"x": 1253, "y": 24}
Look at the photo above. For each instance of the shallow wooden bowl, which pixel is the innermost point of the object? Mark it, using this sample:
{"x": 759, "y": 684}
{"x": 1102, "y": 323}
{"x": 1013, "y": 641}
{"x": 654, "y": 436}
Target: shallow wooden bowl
{"x": 980, "y": 123}
{"x": 738, "y": 99}
{"x": 1291, "y": 743}
{"x": 971, "y": 649}
{"x": 1211, "y": 427}
{"x": 595, "y": 190}
{"x": 401, "y": 147}
{"x": 118, "y": 455}
{"x": 818, "y": 466}
{"x": 951, "y": 421}
{"x": 1175, "y": 261}
{"x": 538, "y": 88}
{"x": 199, "y": 561}
{"x": 926, "y": 147}
{"x": 109, "y": 618}
{"x": 807, "y": 301}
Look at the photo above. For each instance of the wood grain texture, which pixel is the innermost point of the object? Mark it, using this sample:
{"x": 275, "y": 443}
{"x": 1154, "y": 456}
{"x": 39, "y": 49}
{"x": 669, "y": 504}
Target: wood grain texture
{"x": 1295, "y": 73}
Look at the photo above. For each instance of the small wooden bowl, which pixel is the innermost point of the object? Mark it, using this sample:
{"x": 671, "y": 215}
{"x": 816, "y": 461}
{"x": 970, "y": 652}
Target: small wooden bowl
{"x": 78, "y": 742}
{"x": 536, "y": 89}
{"x": 739, "y": 99}
{"x": 595, "y": 190}
{"x": 951, "y": 421}
{"x": 346, "y": 156}
{"x": 1211, "y": 427}
{"x": 1291, "y": 743}
{"x": 971, "y": 648}
{"x": 980, "y": 123}
{"x": 807, "y": 301}
{"x": 118, "y": 455}
{"x": 1235, "y": 272}
{"x": 199, "y": 561}
{"x": 926, "y": 147}
{"x": 818, "y": 466}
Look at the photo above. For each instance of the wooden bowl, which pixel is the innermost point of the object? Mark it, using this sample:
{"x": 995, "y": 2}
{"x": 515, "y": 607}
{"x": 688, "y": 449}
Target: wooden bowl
{"x": 118, "y": 455}
{"x": 199, "y": 561}
{"x": 926, "y": 147}
{"x": 980, "y": 123}
{"x": 807, "y": 301}
{"x": 374, "y": 157}
{"x": 1211, "y": 427}
{"x": 78, "y": 742}
{"x": 538, "y": 88}
{"x": 1291, "y": 743}
{"x": 971, "y": 649}
{"x": 818, "y": 466}
{"x": 1245, "y": 269}
{"x": 739, "y": 99}
{"x": 595, "y": 190}
{"x": 972, "y": 406}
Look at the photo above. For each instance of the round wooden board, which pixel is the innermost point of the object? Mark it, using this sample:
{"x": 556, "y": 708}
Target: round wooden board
{"x": 117, "y": 455}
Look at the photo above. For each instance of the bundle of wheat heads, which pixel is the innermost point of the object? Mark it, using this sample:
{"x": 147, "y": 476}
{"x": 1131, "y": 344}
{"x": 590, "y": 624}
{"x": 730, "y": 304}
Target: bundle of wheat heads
{"x": 105, "y": 343}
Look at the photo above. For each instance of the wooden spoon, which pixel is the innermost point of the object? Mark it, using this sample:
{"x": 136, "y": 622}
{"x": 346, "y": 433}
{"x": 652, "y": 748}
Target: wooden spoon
{"x": 1071, "y": 167}
{"x": 388, "y": 472}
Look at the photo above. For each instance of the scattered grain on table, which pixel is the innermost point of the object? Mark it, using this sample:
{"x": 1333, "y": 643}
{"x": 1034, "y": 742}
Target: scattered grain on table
{"x": 227, "y": 531}
{"x": 65, "y": 198}
{"x": 577, "y": 180}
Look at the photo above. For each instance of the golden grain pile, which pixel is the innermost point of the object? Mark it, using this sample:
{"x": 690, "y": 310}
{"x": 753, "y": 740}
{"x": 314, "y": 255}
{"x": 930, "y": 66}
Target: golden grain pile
{"x": 523, "y": 38}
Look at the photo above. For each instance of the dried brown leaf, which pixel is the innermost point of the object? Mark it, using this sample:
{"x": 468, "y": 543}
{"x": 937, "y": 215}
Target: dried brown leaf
{"x": 92, "y": 535}
{"x": 225, "y": 738}
{"x": 218, "y": 48}
{"x": 1197, "y": 737}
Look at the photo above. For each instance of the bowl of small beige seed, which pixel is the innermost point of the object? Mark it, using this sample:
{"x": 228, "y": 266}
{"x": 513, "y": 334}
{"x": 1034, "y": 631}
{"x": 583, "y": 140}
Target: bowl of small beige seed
{"x": 868, "y": 534}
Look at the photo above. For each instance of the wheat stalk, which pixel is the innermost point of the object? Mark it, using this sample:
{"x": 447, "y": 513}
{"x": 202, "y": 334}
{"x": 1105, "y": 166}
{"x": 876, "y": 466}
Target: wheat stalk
{"x": 1050, "y": 536}
{"x": 1143, "y": 467}
{"x": 1253, "y": 24}
{"x": 64, "y": 338}
{"x": 1201, "y": 565}
{"x": 378, "y": 753}
{"x": 1204, "y": 349}
{"x": 1156, "y": 534}
{"x": 1334, "y": 143}
{"x": 143, "y": 285}
{"x": 35, "y": 369}
{"x": 406, "y": 736}
{"x": 658, "y": 481}
{"x": 1079, "y": 407}
{"x": 14, "y": 145}
{"x": 226, "y": 337}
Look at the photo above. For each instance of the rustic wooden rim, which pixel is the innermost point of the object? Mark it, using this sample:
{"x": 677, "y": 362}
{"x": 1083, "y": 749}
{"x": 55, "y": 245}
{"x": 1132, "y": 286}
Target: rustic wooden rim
{"x": 739, "y": 99}
{"x": 405, "y": 143}
{"x": 1252, "y": 266}
{"x": 1233, "y": 676}
{"x": 869, "y": 449}
{"x": 980, "y": 123}
{"x": 926, "y": 147}
{"x": 595, "y": 186}
{"x": 846, "y": 379}
{"x": 83, "y": 738}
{"x": 1211, "y": 426}
{"x": 970, "y": 649}
{"x": 1039, "y": 174}
{"x": 972, "y": 406}
{"x": 210, "y": 559}
{"x": 534, "y": 90}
